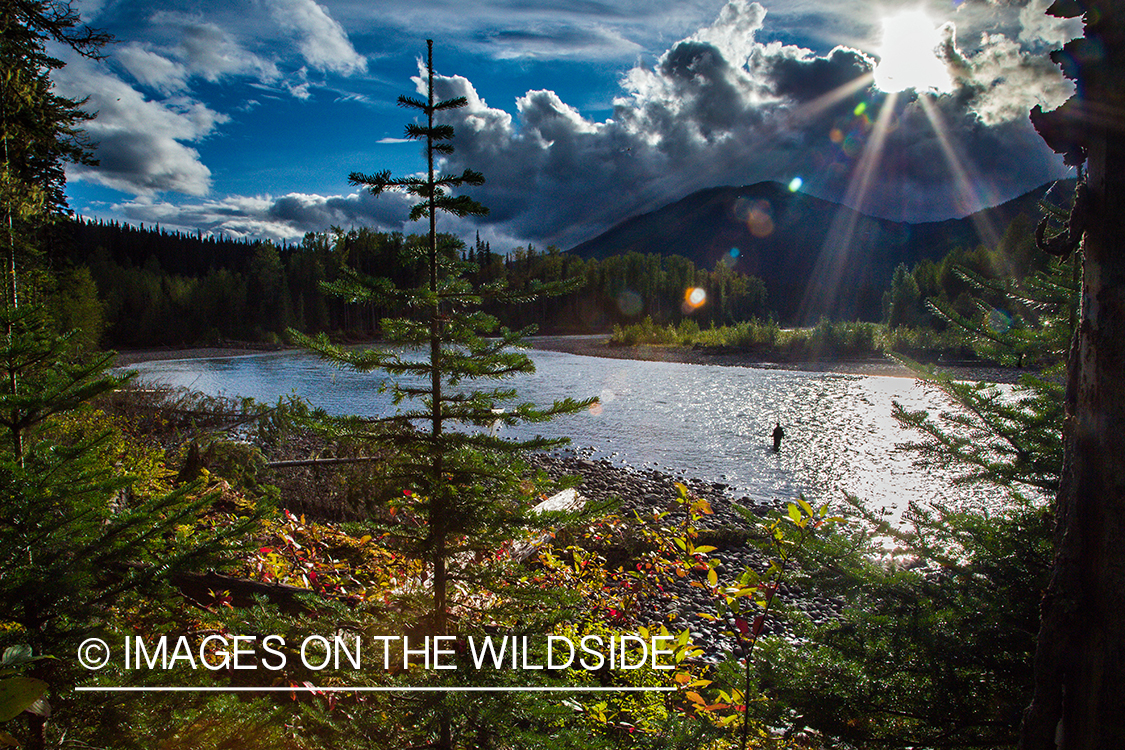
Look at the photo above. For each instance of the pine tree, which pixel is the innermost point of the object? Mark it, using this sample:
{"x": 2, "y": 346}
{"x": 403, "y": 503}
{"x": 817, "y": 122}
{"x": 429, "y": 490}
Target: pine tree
{"x": 40, "y": 129}
{"x": 74, "y": 537}
{"x": 462, "y": 483}
{"x": 1009, "y": 439}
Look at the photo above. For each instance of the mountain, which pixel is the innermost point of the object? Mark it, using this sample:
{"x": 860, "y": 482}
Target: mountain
{"x": 816, "y": 257}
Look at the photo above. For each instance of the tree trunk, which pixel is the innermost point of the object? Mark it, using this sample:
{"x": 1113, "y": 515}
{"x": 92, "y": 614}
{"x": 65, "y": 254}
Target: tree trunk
{"x": 1080, "y": 657}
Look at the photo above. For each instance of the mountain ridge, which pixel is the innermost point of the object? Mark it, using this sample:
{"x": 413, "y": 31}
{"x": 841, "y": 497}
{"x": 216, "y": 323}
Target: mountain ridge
{"x": 817, "y": 258}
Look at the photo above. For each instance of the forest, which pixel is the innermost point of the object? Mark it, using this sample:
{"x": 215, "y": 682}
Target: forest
{"x": 180, "y": 571}
{"x": 130, "y": 283}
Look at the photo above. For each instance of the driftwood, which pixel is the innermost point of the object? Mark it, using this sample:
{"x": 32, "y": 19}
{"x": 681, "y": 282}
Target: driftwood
{"x": 567, "y": 500}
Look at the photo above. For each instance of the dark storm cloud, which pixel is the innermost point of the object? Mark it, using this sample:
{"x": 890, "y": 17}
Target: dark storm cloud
{"x": 310, "y": 212}
{"x": 722, "y": 108}
{"x": 804, "y": 79}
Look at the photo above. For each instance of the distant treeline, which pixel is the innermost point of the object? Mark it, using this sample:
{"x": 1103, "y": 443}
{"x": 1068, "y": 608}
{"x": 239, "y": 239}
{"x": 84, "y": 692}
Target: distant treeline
{"x": 159, "y": 288}
{"x": 913, "y": 292}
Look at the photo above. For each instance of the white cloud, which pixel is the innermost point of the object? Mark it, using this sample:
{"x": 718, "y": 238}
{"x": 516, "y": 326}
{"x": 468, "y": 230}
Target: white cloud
{"x": 323, "y": 42}
{"x": 1003, "y": 81}
{"x": 556, "y": 41}
{"x": 1037, "y": 26}
{"x": 141, "y": 144}
{"x": 284, "y": 218}
{"x": 733, "y": 31}
{"x": 211, "y": 52}
{"x": 89, "y": 10}
{"x": 151, "y": 69}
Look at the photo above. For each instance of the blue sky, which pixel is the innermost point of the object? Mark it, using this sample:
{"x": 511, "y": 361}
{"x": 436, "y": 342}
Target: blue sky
{"x": 245, "y": 116}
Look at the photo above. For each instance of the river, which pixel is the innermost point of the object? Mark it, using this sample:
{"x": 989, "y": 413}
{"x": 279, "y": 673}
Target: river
{"x": 704, "y": 421}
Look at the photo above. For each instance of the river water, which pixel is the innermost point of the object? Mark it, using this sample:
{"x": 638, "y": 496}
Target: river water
{"x": 704, "y": 421}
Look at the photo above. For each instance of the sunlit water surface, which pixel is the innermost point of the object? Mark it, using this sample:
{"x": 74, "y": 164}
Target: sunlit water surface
{"x": 707, "y": 422}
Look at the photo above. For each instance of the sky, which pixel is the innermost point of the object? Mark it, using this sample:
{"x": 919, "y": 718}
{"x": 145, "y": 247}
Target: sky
{"x": 245, "y": 117}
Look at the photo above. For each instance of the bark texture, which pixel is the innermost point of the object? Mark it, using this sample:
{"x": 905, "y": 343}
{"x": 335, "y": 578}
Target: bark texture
{"x": 1079, "y": 699}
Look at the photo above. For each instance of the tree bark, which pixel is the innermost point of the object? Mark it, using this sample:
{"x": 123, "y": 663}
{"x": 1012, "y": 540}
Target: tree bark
{"x": 1080, "y": 658}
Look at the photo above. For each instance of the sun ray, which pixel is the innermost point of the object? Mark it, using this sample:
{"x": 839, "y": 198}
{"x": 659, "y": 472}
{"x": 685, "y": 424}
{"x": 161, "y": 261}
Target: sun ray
{"x": 972, "y": 194}
{"x": 838, "y": 250}
{"x": 815, "y": 107}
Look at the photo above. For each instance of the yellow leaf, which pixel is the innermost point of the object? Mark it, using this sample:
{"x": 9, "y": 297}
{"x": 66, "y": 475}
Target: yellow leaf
{"x": 695, "y": 697}
{"x": 794, "y": 513}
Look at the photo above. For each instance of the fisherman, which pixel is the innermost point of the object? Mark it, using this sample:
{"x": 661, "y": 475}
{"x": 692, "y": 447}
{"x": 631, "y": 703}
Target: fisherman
{"x": 778, "y": 434}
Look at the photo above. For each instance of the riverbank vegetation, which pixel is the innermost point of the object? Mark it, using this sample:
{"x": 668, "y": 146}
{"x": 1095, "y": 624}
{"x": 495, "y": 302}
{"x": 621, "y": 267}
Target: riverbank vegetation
{"x": 826, "y": 340}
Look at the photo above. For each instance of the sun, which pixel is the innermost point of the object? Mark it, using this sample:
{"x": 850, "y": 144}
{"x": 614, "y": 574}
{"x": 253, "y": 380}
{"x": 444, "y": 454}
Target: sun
{"x": 908, "y": 56}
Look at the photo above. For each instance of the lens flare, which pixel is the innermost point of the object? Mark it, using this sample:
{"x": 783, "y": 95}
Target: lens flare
{"x": 694, "y": 298}
{"x": 759, "y": 221}
{"x": 795, "y": 184}
{"x": 999, "y": 321}
{"x": 756, "y": 215}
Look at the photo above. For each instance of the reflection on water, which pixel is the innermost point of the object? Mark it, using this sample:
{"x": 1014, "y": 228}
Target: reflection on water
{"x": 709, "y": 422}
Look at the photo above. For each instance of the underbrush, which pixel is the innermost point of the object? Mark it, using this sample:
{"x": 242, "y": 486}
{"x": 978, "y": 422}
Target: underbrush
{"x": 299, "y": 575}
{"x": 927, "y": 648}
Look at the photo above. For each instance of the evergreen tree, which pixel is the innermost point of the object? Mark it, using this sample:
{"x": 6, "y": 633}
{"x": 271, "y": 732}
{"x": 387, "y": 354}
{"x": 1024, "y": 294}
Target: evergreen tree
{"x": 462, "y": 483}
{"x": 40, "y": 130}
{"x": 1009, "y": 439}
{"x": 903, "y": 299}
{"x": 77, "y": 532}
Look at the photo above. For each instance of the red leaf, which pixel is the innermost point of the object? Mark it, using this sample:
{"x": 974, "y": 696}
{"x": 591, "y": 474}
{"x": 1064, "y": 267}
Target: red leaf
{"x": 759, "y": 621}
{"x": 742, "y": 626}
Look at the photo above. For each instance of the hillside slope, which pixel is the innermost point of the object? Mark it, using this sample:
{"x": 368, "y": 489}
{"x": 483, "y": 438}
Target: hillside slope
{"x": 816, "y": 257}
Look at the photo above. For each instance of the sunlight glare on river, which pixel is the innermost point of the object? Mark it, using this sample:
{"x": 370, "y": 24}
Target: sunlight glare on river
{"x": 701, "y": 421}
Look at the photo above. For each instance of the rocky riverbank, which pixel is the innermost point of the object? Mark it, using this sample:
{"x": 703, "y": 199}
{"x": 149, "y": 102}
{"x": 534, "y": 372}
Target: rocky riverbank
{"x": 683, "y": 605}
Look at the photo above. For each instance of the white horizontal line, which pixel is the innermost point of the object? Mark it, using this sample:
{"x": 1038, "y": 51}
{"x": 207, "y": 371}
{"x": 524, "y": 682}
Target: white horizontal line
{"x": 337, "y": 689}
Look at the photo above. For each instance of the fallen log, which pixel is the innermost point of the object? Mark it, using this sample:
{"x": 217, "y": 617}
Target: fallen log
{"x": 205, "y": 588}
